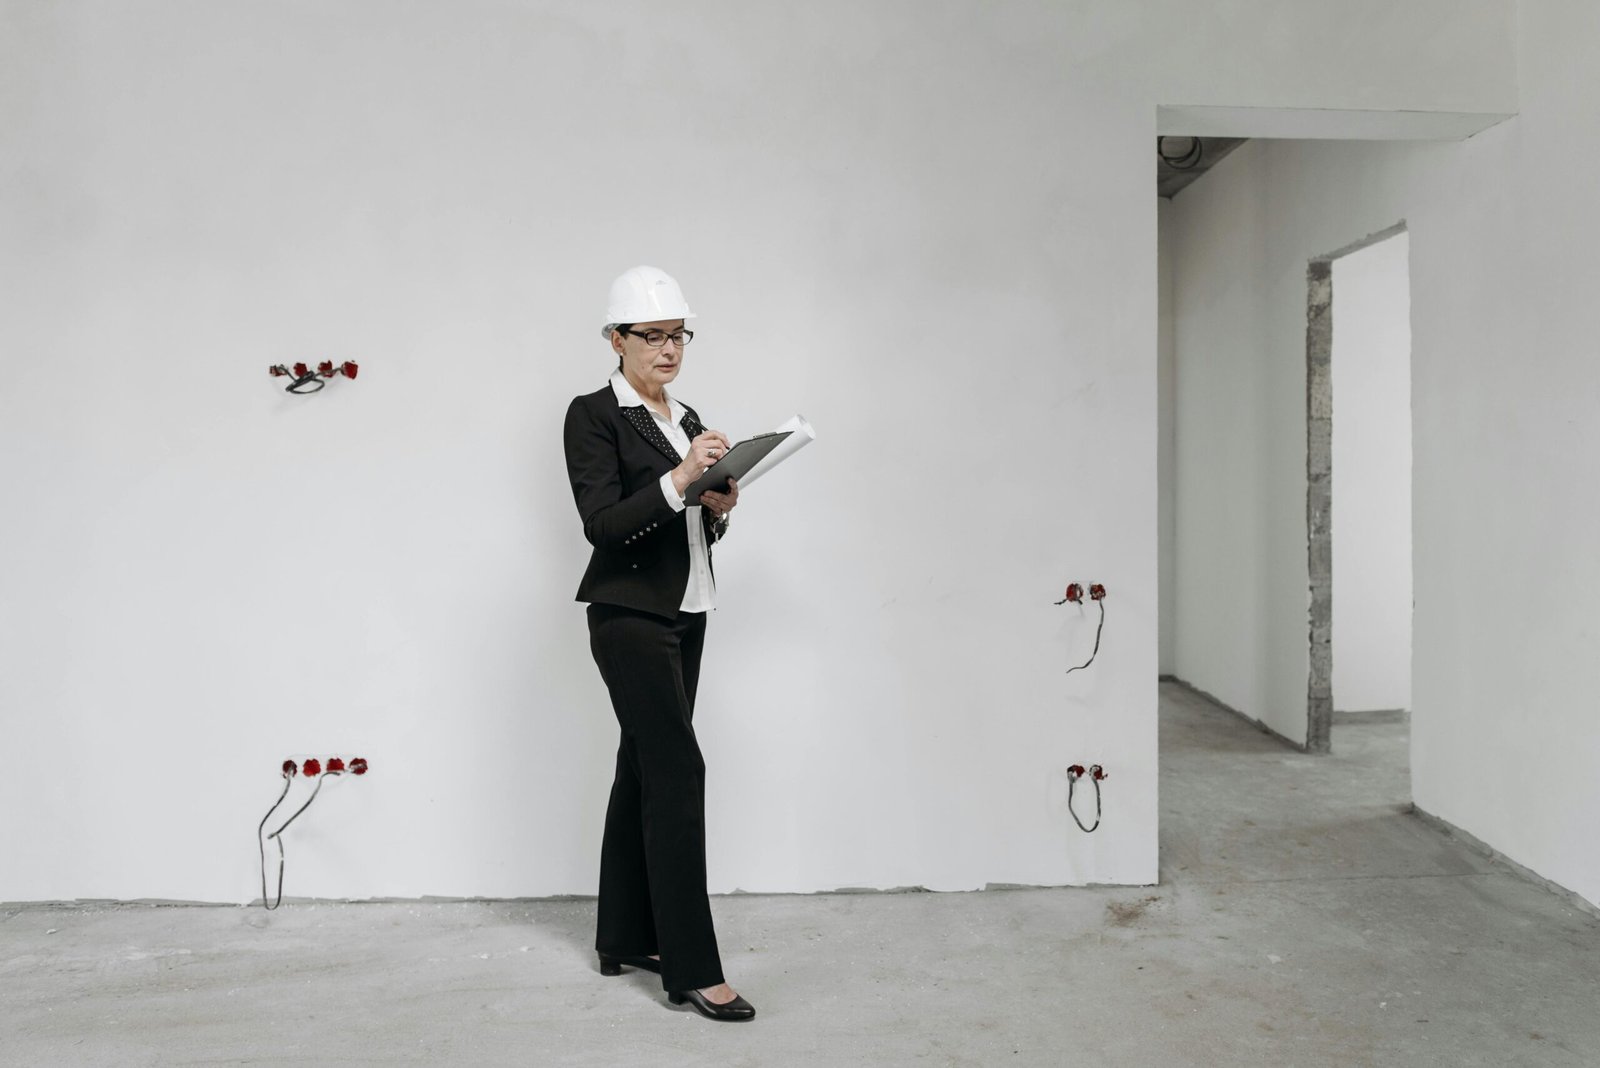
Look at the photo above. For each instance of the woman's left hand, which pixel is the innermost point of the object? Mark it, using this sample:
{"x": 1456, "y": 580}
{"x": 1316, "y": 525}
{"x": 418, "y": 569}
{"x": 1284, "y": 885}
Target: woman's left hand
{"x": 721, "y": 503}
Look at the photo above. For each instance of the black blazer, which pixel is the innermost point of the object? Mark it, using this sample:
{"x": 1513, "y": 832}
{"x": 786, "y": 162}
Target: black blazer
{"x": 615, "y": 459}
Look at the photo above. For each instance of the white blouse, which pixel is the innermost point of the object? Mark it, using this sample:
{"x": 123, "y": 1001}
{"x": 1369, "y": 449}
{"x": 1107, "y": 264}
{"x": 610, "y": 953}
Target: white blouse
{"x": 698, "y": 595}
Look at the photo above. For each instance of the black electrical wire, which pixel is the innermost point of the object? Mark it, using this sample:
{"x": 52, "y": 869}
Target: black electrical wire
{"x": 1097, "y": 631}
{"x": 316, "y": 790}
{"x": 1072, "y": 781}
{"x": 312, "y": 379}
{"x": 277, "y": 835}
{"x": 288, "y": 781}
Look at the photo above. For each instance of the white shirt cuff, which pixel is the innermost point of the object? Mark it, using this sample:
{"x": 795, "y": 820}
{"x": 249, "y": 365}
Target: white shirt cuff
{"x": 670, "y": 492}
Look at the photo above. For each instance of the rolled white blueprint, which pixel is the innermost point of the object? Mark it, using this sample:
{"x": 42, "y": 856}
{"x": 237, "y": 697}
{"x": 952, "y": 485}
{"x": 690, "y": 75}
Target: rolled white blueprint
{"x": 800, "y": 436}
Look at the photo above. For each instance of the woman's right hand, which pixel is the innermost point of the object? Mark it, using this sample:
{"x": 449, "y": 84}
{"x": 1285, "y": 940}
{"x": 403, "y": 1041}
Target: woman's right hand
{"x": 704, "y": 451}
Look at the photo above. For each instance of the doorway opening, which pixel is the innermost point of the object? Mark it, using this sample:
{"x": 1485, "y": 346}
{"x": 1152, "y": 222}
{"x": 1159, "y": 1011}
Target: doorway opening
{"x": 1358, "y": 426}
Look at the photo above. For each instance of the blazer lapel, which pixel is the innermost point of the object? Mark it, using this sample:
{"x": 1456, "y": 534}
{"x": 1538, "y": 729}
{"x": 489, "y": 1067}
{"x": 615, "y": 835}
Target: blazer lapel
{"x": 645, "y": 424}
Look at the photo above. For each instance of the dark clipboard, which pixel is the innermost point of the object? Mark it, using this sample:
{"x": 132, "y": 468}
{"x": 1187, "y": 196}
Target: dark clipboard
{"x": 735, "y": 464}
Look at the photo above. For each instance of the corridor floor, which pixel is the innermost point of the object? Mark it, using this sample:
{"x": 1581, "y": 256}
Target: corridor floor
{"x": 1304, "y": 917}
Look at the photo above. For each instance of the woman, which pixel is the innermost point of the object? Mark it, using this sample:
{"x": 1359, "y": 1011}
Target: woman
{"x": 632, "y": 451}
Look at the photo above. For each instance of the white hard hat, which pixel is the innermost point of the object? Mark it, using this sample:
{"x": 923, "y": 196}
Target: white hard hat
{"x": 644, "y": 295}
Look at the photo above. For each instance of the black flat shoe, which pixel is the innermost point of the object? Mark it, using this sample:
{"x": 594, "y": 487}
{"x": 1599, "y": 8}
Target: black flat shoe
{"x": 610, "y": 965}
{"x": 737, "y": 1009}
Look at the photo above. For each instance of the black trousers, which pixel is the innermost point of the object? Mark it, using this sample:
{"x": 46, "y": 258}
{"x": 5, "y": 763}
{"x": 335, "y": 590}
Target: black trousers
{"x": 653, "y": 858}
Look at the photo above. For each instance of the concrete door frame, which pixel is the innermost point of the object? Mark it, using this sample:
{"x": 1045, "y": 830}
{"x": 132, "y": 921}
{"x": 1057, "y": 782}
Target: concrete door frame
{"x": 1319, "y": 485}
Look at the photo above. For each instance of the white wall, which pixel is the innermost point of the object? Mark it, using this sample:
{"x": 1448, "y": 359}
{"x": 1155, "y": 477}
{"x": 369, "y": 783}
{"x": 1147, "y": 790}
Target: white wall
{"x": 1502, "y": 232}
{"x": 927, "y": 226}
{"x": 1228, "y": 510}
{"x": 1371, "y": 374}
{"x": 1166, "y": 445}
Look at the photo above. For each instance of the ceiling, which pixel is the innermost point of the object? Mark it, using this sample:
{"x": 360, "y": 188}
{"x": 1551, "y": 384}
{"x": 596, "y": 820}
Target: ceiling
{"x": 1187, "y": 164}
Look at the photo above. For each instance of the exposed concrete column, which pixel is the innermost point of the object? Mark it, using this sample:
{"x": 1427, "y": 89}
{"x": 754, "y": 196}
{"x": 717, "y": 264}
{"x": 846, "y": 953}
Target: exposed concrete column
{"x": 1319, "y": 500}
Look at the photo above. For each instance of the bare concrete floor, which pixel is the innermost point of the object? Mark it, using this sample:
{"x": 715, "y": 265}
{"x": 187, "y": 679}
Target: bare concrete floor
{"x": 1304, "y": 918}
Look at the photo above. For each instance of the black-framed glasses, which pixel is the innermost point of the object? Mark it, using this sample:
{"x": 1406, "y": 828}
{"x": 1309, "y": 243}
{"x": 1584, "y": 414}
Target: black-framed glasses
{"x": 657, "y": 338}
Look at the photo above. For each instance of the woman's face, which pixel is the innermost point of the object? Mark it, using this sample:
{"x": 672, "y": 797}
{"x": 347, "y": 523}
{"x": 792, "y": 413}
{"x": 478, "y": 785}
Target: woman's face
{"x": 640, "y": 362}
